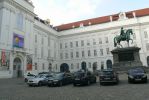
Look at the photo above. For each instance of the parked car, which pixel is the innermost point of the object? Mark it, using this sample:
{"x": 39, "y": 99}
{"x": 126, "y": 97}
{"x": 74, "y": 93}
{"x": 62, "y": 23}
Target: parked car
{"x": 108, "y": 76}
{"x": 137, "y": 75}
{"x": 28, "y": 76}
{"x": 39, "y": 80}
{"x": 84, "y": 78}
{"x": 60, "y": 79}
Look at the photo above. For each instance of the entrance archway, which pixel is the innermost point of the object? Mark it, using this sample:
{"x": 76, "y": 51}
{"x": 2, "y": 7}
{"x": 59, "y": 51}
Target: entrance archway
{"x": 17, "y": 70}
{"x": 83, "y": 65}
{"x": 64, "y": 67}
{"x": 109, "y": 64}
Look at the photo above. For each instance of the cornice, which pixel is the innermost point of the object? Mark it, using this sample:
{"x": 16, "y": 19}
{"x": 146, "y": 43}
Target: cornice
{"x": 36, "y": 27}
{"x": 16, "y": 5}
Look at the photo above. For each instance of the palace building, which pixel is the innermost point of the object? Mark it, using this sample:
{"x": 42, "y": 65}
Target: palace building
{"x": 30, "y": 44}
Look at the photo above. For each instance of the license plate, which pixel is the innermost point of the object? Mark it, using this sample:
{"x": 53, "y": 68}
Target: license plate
{"x": 138, "y": 79}
{"x": 107, "y": 78}
{"x": 77, "y": 79}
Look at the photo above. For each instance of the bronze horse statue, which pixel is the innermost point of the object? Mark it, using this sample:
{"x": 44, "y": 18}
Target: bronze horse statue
{"x": 125, "y": 37}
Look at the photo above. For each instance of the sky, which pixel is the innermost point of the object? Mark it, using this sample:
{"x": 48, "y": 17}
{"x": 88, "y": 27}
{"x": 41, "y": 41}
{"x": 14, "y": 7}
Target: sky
{"x": 67, "y": 11}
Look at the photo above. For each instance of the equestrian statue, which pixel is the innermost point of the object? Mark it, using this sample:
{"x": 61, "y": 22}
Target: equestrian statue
{"x": 124, "y": 36}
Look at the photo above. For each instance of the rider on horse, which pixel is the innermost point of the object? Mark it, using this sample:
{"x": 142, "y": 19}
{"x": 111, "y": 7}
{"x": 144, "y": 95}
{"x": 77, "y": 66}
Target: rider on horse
{"x": 122, "y": 33}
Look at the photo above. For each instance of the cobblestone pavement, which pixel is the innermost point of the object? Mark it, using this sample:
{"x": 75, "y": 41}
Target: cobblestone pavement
{"x": 16, "y": 89}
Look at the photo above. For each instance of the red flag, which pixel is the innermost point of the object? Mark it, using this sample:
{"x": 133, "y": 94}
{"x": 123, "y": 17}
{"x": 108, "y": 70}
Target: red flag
{"x": 3, "y": 56}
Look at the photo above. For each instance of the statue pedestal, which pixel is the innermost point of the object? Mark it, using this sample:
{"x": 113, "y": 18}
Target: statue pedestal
{"x": 126, "y": 58}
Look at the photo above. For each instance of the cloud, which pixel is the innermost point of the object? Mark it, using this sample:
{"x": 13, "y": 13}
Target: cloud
{"x": 65, "y": 11}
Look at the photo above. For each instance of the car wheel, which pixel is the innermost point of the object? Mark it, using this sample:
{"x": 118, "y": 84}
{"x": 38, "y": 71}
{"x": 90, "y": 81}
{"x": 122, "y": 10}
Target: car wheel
{"x": 40, "y": 84}
{"x": 25, "y": 80}
{"x": 60, "y": 83}
{"x": 29, "y": 85}
{"x": 145, "y": 81}
{"x": 101, "y": 83}
{"x": 74, "y": 84}
{"x": 88, "y": 82}
{"x": 129, "y": 81}
{"x": 95, "y": 80}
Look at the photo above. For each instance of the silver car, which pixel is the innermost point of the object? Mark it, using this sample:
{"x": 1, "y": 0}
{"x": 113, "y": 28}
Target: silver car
{"x": 39, "y": 80}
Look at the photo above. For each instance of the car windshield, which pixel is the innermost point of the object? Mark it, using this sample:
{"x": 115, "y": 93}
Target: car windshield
{"x": 79, "y": 74}
{"x": 40, "y": 76}
{"x": 137, "y": 71}
{"x": 107, "y": 73}
{"x": 57, "y": 75}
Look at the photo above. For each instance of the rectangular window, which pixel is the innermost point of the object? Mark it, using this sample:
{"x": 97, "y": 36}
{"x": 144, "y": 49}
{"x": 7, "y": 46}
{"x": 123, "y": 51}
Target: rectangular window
{"x": 106, "y": 40}
{"x": 95, "y": 52}
{"x": 48, "y": 41}
{"x": 94, "y": 42}
{"x": 100, "y": 41}
{"x": 20, "y": 21}
{"x": 145, "y": 34}
{"x": 42, "y": 41}
{"x": 134, "y": 36}
{"x": 35, "y": 51}
{"x": 83, "y": 54}
{"x": 66, "y": 55}
{"x": 49, "y": 53}
{"x": 88, "y": 42}
{"x": 89, "y": 65}
{"x": 61, "y": 46}
{"x": 89, "y": 53}
{"x": 36, "y": 38}
{"x": 43, "y": 67}
{"x": 76, "y": 43}
{"x": 82, "y": 43}
{"x": 71, "y": 44}
{"x": 71, "y": 54}
{"x": 102, "y": 64}
{"x": 147, "y": 46}
{"x": 108, "y": 51}
{"x": 42, "y": 53}
{"x": 71, "y": 66}
{"x": 61, "y": 55}
{"x": 77, "y": 54}
{"x": 36, "y": 66}
{"x": 78, "y": 66}
{"x": 101, "y": 52}
{"x": 65, "y": 45}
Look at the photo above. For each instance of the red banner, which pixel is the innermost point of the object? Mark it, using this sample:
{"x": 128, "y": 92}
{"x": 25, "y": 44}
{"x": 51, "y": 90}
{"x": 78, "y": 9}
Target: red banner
{"x": 3, "y": 56}
{"x": 29, "y": 67}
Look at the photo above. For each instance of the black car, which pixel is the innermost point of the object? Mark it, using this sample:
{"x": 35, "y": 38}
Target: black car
{"x": 137, "y": 75}
{"x": 108, "y": 76}
{"x": 60, "y": 79}
{"x": 84, "y": 78}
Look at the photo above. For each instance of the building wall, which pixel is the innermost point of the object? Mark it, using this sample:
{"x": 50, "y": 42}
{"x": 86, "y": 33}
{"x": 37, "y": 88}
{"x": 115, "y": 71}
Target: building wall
{"x": 106, "y": 30}
{"x": 43, "y": 44}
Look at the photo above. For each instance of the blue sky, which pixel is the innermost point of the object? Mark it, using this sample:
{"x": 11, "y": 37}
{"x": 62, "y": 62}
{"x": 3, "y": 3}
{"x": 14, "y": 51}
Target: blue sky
{"x": 66, "y": 11}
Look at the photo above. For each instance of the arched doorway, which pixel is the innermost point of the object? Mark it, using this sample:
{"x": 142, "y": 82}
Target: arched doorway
{"x": 109, "y": 64}
{"x": 83, "y": 65}
{"x": 17, "y": 70}
{"x": 64, "y": 67}
{"x": 147, "y": 60}
{"x": 94, "y": 66}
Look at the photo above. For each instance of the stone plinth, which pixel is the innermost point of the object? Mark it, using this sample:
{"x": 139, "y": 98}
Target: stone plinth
{"x": 126, "y": 58}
